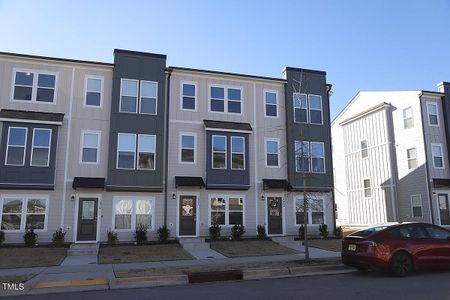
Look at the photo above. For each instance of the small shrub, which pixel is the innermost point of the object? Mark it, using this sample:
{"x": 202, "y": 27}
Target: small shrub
{"x": 163, "y": 234}
{"x": 301, "y": 232}
{"x": 214, "y": 231}
{"x": 237, "y": 231}
{"x": 30, "y": 237}
{"x": 112, "y": 237}
{"x": 141, "y": 234}
{"x": 2, "y": 237}
{"x": 261, "y": 232}
{"x": 338, "y": 232}
{"x": 323, "y": 229}
{"x": 58, "y": 237}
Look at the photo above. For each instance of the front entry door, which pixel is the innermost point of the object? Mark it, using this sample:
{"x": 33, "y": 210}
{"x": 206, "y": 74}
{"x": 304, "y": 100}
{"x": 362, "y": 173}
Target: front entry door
{"x": 188, "y": 218}
{"x": 444, "y": 209}
{"x": 87, "y": 219}
{"x": 275, "y": 215}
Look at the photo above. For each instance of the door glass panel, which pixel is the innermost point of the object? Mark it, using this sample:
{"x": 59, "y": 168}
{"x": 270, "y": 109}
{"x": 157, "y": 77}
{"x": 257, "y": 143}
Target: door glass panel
{"x": 87, "y": 212}
{"x": 443, "y": 202}
{"x": 274, "y": 207}
{"x": 187, "y": 207}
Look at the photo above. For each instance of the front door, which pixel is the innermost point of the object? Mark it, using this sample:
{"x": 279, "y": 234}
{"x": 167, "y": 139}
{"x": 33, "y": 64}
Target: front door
{"x": 275, "y": 215}
{"x": 444, "y": 209}
{"x": 87, "y": 219}
{"x": 188, "y": 219}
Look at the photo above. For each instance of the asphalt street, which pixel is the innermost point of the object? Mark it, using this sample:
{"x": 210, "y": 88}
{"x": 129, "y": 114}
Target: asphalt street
{"x": 423, "y": 285}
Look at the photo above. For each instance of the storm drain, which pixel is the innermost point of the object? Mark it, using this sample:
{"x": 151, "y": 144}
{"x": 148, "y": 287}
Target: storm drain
{"x": 199, "y": 277}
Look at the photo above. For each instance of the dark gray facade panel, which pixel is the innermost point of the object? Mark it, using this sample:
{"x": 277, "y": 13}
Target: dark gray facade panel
{"x": 446, "y": 106}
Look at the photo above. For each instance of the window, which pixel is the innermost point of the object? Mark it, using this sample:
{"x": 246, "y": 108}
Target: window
{"x": 416, "y": 206}
{"x": 272, "y": 153}
{"x": 34, "y": 86}
{"x": 148, "y": 97}
{"x": 408, "y": 121}
{"x": 40, "y": 152}
{"x": 432, "y": 109}
{"x": 94, "y": 89}
{"x": 128, "y": 95}
{"x": 90, "y": 142}
{"x": 187, "y": 148}
{"x": 302, "y": 156}
{"x": 271, "y": 104}
{"x": 437, "y": 232}
{"x": 300, "y": 108}
{"x": 126, "y": 151}
{"x": 227, "y": 210}
{"x": 315, "y": 109}
{"x": 411, "y": 155}
{"x": 146, "y": 152}
{"x": 220, "y": 95}
{"x": 188, "y": 96}
{"x": 367, "y": 188}
{"x": 234, "y": 101}
{"x": 15, "y": 148}
{"x": 237, "y": 153}
{"x": 217, "y": 99}
{"x": 219, "y": 150}
{"x": 315, "y": 211}
{"x": 131, "y": 212}
{"x": 317, "y": 157}
{"x": 436, "y": 152}
{"x": 364, "y": 150}
{"x": 20, "y": 213}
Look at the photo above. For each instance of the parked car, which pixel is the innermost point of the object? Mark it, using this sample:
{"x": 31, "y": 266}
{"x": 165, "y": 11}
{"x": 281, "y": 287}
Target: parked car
{"x": 399, "y": 249}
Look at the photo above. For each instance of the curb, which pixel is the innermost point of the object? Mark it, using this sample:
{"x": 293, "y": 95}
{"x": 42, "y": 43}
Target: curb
{"x": 148, "y": 281}
{"x": 71, "y": 283}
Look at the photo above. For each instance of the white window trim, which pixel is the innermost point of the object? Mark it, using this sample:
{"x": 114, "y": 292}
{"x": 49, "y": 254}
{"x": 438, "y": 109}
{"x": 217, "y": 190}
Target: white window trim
{"x": 181, "y": 148}
{"x": 309, "y": 213}
{"x": 361, "y": 149}
{"x": 212, "y": 152}
{"x": 24, "y": 150}
{"x": 408, "y": 159}
{"x": 137, "y": 153}
{"x": 225, "y": 104}
{"x": 99, "y": 138}
{"x": 102, "y": 80}
{"x": 364, "y": 188}
{"x": 276, "y": 105}
{"x": 40, "y": 147}
{"x": 307, "y": 104}
{"x": 308, "y": 156}
{"x": 412, "y": 206}
{"x": 137, "y": 96}
{"x": 195, "y": 96}
{"x": 227, "y": 208}
{"x": 23, "y": 214}
{"x": 311, "y": 158}
{"x": 231, "y": 151}
{"x": 117, "y": 151}
{"x": 405, "y": 118}
{"x": 442, "y": 155}
{"x": 133, "y": 212}
{"x": 278, "y": 151}
{"x": 437, "y": 113}
{"x": 140, "y": 97}
{"x": 309, "y": 109}
{"x": 34, "y": 86}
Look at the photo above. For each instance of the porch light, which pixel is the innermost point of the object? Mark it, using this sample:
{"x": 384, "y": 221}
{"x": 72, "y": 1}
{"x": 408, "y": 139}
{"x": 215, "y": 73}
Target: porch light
{"x": 174, "y": 196}
{"x": 262, "y": 197}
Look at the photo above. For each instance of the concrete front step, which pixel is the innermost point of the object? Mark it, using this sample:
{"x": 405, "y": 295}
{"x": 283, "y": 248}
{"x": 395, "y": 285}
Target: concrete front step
{"x": 286, "y": 238}
{"x": 191, "y": 240}
{"x": 83, "y": 249}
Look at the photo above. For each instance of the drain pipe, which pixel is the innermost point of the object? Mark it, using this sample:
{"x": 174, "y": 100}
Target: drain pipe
{"x": 166, "y": 136}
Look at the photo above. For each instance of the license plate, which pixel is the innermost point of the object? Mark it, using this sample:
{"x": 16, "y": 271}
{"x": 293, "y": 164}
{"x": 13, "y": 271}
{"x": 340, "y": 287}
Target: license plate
{"x": 351, "y": 247}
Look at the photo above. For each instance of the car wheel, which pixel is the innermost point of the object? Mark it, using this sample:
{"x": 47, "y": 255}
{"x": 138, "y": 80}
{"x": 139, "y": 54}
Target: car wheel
{"x": 401, "y": 264}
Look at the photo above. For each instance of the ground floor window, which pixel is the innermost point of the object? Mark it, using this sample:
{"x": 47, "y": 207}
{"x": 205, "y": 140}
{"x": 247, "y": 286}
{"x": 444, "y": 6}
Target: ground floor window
{"x": 131, "y": 212}
{"x": 23, "y": 212}
{"x": 227, "y": 210}
{"x": 416, "y": 206}
{"x": 315, "y": 211}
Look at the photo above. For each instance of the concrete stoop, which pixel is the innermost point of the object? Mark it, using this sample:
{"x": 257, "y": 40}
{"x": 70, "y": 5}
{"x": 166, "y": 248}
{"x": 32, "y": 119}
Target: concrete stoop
{"x": 198, "y": 248}
{"x": 83, "y": 249}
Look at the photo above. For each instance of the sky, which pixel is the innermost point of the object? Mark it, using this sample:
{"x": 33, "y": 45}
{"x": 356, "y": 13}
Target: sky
{"x": 362, "y": 45}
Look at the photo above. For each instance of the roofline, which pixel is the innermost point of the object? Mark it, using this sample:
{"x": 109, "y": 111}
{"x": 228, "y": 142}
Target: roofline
{"x": 139, "y": 53}
{"x": 433, "y": 93}
{"x": 170, "y": 68}
{"x": 366, "y": 112}
{"x": 77, "y": 61}
{"x": 295, "y": 69}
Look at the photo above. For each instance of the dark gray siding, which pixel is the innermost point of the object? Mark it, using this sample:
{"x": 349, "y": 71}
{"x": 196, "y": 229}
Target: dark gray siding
{"x": 140, "y": 66}
{"x": 312, "y": 82}
{"x": 446, "y": 106}
{"x": 227, "y": 178}
{"x": 28, "y": 177}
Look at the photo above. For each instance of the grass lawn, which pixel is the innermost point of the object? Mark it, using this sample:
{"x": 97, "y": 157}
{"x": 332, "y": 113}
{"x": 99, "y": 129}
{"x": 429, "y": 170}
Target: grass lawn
{"x": 146, "y": 253}
{"x": 31, "y": 257}
{"x": 16, "y": 278}
{"x": 250, "y": 248}
{"x": 330, "y": 245}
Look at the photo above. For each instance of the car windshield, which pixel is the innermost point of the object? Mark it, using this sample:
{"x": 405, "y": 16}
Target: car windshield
{"x": 368, "y": 231}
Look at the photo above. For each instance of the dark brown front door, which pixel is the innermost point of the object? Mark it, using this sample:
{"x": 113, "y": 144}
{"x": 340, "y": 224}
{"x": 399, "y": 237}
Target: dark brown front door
{"x": 188, "y": 209}
{"x": 444, "y": 209}
{"x": 87, "y": 219}
{"x": 275, "y": 215}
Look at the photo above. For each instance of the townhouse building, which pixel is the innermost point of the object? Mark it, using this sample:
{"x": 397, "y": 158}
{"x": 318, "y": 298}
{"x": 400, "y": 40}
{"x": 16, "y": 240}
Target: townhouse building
{"x": 93, "y": 147}
{"x": 391, "y": 155}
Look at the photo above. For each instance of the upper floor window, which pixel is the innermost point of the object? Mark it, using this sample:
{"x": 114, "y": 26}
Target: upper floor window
{"x": 271, "y": 104}
{"x": 436, "y": 152}
{"x": 94, "y": 90}
{"x": 40, "y": 152}
{"x": 187, "y": 148}
{"x": 219, "y": 152}
{"x": 237, "y": 153}
{"x": 129, "y": 95}
{"x": 16, "y": 145}
{"x": 34, "y": 86}
{"x": 364, "y": 150}
{"x": 317, "y": 157}
{"x": 309, "y": 157}
{"x": 315, "y": 109}
{"x": 411, "y": 155}
{"x": 302, "y": 158}
{"x": 147, "y": 94}
{"x": 148, "y": 97}
{"x": 225, "y": 100}
{"x": 146, "y": 152}
{"x": 367, "y": 188}
{"x": 300, "y": 108}
{"x": 408, "y": 121}
{"x": 272, "y": 153}
{"x": 90, "y": 143}
{"x": 416, "y": 206}
{"x": 432, "y": 109}
{"x": 126, "y": 151}
{"x": 188, "y": 96}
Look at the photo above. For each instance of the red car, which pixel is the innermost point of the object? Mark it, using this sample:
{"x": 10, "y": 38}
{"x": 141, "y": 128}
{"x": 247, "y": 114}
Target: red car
{"x": 399, "y": 249}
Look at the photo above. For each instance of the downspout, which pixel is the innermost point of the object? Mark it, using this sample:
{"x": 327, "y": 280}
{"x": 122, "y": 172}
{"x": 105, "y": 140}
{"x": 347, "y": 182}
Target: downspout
{"x": 329, "y": 87}
{"x": 166, "y": 137}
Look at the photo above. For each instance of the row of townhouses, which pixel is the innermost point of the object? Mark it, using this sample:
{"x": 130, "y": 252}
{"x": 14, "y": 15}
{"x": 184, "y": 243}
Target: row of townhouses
{"x": 92, "y": 146}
